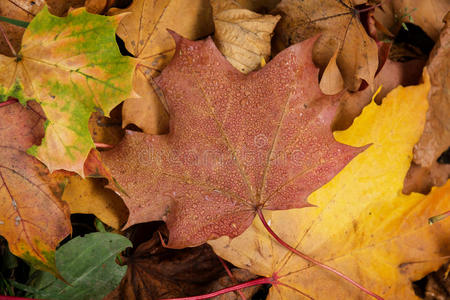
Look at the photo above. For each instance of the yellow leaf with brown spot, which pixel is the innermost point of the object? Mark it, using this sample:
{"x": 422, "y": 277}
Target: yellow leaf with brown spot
{"x": 362, "y": 225}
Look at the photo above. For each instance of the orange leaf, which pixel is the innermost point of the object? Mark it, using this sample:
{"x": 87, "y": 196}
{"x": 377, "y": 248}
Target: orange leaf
{"x": 32, "y": 218}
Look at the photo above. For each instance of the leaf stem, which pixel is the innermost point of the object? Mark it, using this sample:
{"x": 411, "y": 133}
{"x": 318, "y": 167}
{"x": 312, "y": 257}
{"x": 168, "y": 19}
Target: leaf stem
{"x": 265, "y": 280}
{"x": 310, "y": 259}
{"x": 7, "y": 41}
{"x": 8, "y": 102}
{"x": 233, "y": 279}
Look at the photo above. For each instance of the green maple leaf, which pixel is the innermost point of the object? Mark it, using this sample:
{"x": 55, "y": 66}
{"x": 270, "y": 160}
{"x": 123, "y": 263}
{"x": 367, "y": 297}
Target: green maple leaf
{"x": 72, "y": 66}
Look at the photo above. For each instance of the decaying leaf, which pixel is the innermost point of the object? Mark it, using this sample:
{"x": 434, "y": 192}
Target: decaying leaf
{"x": 145, "y": 34}
{"x": 391, "y": 75}
{"x": 104, "y": 130}
{"x": 32, "y": 218}
{"x": 61, "y": 7}
{"x": 243, "y": 36}
{"x": 101, "y": 6}
{"x": 340, "y": 31}
{"x": 436, "y": 135}
{"x": 260, "y": 6}
{"x": 362, "y": 225}
{"x": 88, "y": 196}
{"x": 23, "y": 10}
{"x": 428, "y": 15}
{"x": 236, "y": 143}
{"x": 155, "y": 272}
{"x": 70, "y": 66}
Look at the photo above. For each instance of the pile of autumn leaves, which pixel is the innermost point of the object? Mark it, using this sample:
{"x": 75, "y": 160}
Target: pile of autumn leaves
{"x": 217, "y": 143}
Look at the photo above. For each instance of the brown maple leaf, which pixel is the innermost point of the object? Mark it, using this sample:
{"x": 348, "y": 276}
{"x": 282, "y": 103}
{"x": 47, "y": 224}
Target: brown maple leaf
{"x": 155, "y": 272}
{"x": 344, "y": 51}
{"x": 237, "y": 143}
{"x": 32, "y": 218}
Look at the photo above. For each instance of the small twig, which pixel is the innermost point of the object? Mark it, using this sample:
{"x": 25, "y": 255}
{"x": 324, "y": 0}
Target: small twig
{"x": 7, "y": 41}
{"x": 233, "y": 279}
{"x": 310, "y": 259}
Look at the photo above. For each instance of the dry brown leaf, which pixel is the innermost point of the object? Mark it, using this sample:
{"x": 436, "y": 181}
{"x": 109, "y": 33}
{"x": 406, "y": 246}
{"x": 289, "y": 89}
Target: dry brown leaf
{"x": 243, "y": 36}
{"x": 421, "y": 180}
{"x": 436, "y": 135}
{"x": 155, "y": 272}
{"x": 427, "y": 14}
{"x": 144, "y": 32}
{"x": 332, "y": 82}
{"x": 101, "y": 6}
{"x": 337, "y": 24}
{"x": 253, "y": 5}
{"x": 391, "y": 75}
{"x": 426, "y": 172}
{"x": 61, "y": 7}
{"x": 23, "y": 10}
{"x": 105, "y": 130}
{"x": 88, "y": 196}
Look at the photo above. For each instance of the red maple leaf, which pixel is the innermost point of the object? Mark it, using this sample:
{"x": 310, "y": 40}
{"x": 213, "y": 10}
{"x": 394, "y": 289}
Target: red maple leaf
{"x": 237, "y": 143}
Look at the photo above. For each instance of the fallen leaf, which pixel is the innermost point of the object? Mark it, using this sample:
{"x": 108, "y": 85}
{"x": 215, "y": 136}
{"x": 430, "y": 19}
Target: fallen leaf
{"x": 339, "y": 28}
{"x": 32, "y": 218}
{"x": 23, "y": 10}
{"x": 147, "y": 112}
{"x": 425, "y": 171}
{"x": 260, "y": 6}
{"x": 236, "y": 143}
{"x": 438, "y": 284}
{"x": 70, "y": 66}
{"x": 144, "y": 32}
{"x": 436, "y": 135}
{"x": 243, "y": 36}
{"x": 155, "y": 272}
{"x": 88, "y": 264}
{"x": 88, "y": 196}
{"x": 362, "y": 225}
{"x": 101, "y": 6}
{"x": 332, "y": 82}
{"x": 421, "y": 180}
{"x": 391, "y": 75}
{"x": 105, "y": 130}
{"x": 61, "y": 7}
{"x": 428, "y": 15}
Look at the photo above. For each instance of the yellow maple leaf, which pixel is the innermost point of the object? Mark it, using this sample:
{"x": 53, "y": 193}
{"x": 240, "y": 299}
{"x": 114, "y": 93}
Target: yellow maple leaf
{"x": 361, "y": 225}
